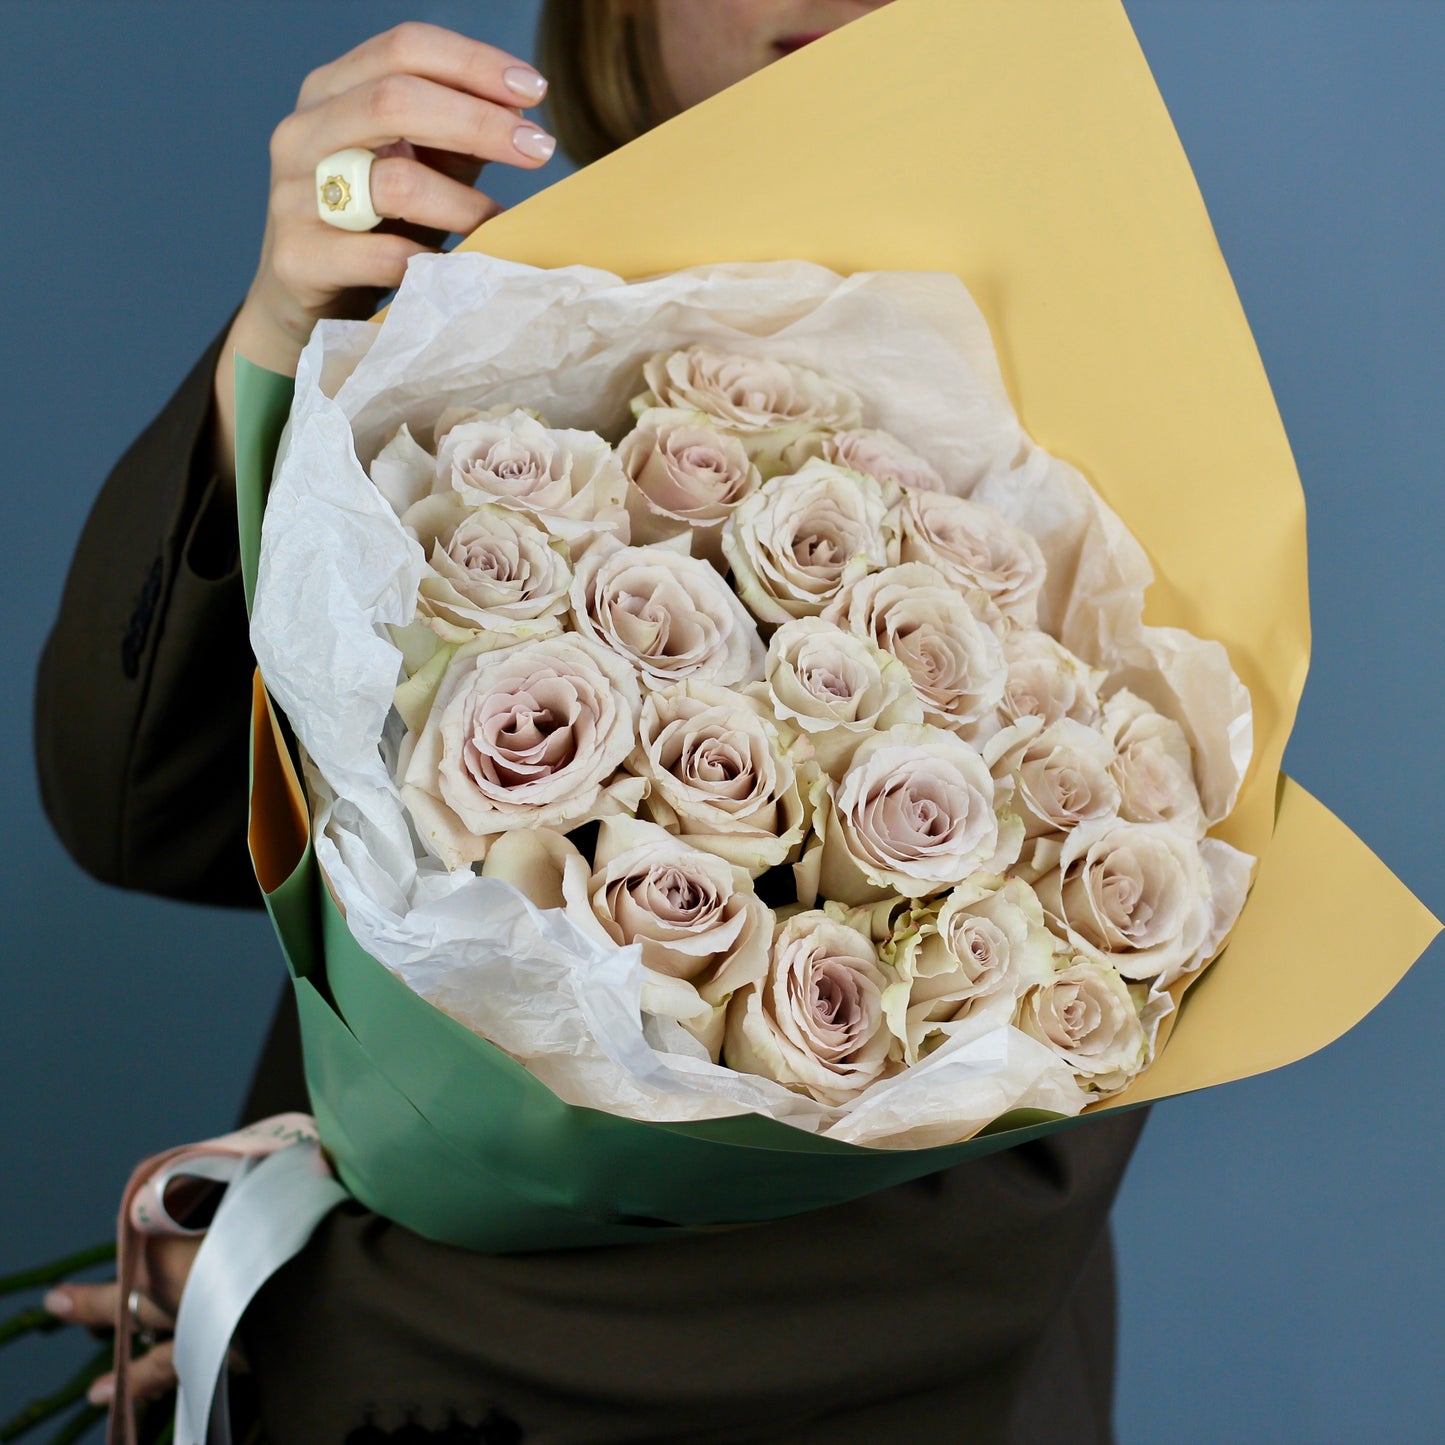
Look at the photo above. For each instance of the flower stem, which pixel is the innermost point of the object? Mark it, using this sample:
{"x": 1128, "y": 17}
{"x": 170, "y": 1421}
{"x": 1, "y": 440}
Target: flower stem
{"x": 57, "y": 1270}
{"x": 37, "y": 1412}
{"x": 31, "y": 1321}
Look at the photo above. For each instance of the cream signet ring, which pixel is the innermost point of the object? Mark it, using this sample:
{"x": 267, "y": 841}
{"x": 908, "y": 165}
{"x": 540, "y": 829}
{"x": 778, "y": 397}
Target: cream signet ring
{"x": 343, "y": 190}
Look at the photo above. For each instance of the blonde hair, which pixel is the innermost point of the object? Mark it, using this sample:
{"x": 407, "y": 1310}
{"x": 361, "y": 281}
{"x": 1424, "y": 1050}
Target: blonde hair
{"x": 604, "y": 65}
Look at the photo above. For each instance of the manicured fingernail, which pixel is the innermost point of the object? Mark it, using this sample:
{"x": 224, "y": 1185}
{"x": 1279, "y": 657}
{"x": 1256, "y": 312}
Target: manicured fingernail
{"x": 57, "y": 1302}
{"x": 533, "y": 142}
{"x": 100, "y": 1392}
{"x": 526, "y": 83}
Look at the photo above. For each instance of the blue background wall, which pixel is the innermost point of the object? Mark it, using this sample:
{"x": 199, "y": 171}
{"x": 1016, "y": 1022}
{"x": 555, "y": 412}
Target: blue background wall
{"x": 1282, "y": 1274}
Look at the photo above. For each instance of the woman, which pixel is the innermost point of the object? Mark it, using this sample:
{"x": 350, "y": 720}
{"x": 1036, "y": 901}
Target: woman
{"x": 976, "y": 1304}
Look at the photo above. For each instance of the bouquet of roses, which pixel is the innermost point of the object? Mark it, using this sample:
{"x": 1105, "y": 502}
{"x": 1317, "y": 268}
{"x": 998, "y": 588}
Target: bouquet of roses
{"x": 802, "y": 753}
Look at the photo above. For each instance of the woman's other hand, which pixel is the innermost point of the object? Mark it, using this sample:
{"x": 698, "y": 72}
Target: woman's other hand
{"x": 434, "y": 106}
{"x": 165, "y": 1267}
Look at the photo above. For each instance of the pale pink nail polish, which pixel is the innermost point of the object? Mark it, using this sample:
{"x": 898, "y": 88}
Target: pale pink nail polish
{"x": 100, "y": 1392}
{"x": 58, "y": 1303}
{"x": 525, "y": 83}
{"x": 531, "y": 141}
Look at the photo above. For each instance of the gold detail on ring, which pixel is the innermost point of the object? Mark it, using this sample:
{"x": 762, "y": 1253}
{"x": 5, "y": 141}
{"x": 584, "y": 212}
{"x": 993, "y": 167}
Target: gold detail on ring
{"x": 335, "y": 193}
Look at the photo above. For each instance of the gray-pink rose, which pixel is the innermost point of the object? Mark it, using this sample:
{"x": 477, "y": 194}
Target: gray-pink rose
{"x": 687, "y": 477}
{"x": 815, "y": 1024}
{"x": 999, "y": 566}
{"x": 524, "y": 736}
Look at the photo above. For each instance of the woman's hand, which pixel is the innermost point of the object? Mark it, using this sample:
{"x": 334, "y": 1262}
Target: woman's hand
{"x": 164, "y": 1268}
{"x": 434, "y": 106}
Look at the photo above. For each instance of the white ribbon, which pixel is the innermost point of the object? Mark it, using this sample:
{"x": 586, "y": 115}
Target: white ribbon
{"x": 271, "y": 1207}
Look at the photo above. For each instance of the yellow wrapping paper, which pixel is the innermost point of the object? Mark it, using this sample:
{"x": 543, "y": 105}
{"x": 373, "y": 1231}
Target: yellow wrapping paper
{"x": 1023, "y": 145}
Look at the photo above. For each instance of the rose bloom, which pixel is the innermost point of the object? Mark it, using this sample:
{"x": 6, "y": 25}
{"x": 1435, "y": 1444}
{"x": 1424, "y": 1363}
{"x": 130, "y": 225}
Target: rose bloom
{"x": 568, "y": 480}
{"x": 918, "y": 616}
{"x": 880, "y": 455}
{"x": 836, "y": 687}
{"x": 987, "y": 940}
{"x": 815, "y": 1024}
{"x": 1137, "y": 893}
{"x": 405, "y": 471}
{"x": 702, "y": 930}
{"x": 686, "y": 477}
{"x": 748, "y": 395}
{"x": 799, "y": 540}
{"x": 874, "y": 453}
{"x": 721, "y": 773}
{"x": 490, "y": 568}
{"x": 1153, "y": 765}
{"x": 670, "y": 615}
{"x": 524, "y": 736}
{"x": 999, "y": 566}
{"x": 1046, "y": 681}
{"x": 914, "y": 814}
{"x": 1061, "y": 774}
{"x": 1086, "y": 1015}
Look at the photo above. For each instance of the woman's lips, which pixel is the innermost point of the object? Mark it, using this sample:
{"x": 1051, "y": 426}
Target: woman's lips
{"x": 789, "y": 43}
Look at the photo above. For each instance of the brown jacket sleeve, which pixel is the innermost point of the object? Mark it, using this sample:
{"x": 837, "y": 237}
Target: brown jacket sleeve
{"x": 143, "y": 692}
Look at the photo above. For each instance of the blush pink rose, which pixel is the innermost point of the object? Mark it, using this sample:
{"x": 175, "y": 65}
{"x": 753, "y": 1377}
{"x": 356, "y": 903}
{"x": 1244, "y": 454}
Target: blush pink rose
{"x": 815, "y": 1024}
{"x": 799, "y": 540}
{"x": 914, "y": 613}
{"x": 916, "y": 813}
{"x": 999, "y": 566}
{"x": 1153, "y": 765}
{"x": 1086, "y": 1015}
{"x": 746, "y": 394}
{"x": 720, "y": 772}
{"x": 524, "y": 736}
{"x": 836, "y": 687}
{"x": 670, "y": 615}
{"x": 687, "y": 477}
{"x": 1136, "y": 893}
{"x": 489, "y": 568}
